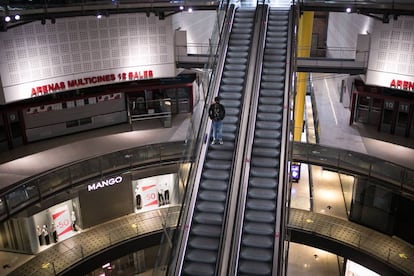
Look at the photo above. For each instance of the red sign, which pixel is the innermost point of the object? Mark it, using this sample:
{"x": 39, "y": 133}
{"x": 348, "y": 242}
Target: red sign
{"x": 59, "y": 86}
{"x": 401, "y": 84}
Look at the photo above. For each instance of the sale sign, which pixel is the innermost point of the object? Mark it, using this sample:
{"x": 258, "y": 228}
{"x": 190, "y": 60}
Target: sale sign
{"x": 149, "y": 195}
{"x": 61, "y": 219}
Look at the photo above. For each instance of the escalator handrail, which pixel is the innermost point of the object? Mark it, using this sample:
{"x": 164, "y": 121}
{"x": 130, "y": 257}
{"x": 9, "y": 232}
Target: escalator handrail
{"x": 282, "y": 210}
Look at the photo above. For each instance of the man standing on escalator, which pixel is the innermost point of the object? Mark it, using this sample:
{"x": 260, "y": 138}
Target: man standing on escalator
{"x": 216, "y": 113}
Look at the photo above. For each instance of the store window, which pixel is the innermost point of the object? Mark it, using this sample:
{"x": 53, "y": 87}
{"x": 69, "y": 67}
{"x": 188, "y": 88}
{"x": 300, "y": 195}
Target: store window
{"x": 153, "y": 192}
{"x": 56, "y": 224}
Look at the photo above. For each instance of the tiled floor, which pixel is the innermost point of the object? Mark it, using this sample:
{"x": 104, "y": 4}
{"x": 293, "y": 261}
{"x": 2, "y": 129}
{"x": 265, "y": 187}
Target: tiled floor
{"x": 90, "y": 241}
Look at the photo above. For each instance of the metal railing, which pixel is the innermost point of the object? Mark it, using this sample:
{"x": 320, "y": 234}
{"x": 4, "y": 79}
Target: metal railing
{"x": 68, "y": 253}
{"x": 28, "y": 192}
{"x": 389, "y": 174}
{"x": 390, "y": 251}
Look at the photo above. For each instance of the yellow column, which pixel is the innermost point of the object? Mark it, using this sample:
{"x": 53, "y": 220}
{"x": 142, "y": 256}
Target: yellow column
{"x": 304, "y": 46}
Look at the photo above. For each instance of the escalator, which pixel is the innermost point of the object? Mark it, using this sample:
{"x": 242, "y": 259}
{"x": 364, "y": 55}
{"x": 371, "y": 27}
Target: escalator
{"x": 202, "y": 254}
{"x": 258, "y": 244}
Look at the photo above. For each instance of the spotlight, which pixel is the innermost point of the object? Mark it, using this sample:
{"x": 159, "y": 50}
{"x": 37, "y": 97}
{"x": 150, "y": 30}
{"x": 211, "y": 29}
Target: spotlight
{"x": 17, "y": 17}
{"x": 348, "y": 10}
{"x": 99, "y": 16}
{"x": 190, "y": 10}
{"x": 7, "y": 19}
{"x": 181, "y": 8}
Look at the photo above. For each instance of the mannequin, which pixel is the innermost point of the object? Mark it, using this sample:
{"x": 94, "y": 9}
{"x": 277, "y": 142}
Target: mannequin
{"x": 39, "y": 235}
{"x": 163, "y": 194}
{"x": 45, "y": 232}
{"x": 138, "y": 200}
{"x": 73, "y": 217}
{"x": 54, "y": 234}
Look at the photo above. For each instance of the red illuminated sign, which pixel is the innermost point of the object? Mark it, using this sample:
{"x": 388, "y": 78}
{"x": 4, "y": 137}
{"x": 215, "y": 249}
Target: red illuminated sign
{"x": 401, "y": 84}
{"x": 60, "y": 86}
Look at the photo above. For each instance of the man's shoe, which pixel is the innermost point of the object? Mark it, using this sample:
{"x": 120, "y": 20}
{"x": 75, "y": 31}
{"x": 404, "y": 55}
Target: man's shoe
{"x": 213, "y": 142}
{"x": 221, "y": 142}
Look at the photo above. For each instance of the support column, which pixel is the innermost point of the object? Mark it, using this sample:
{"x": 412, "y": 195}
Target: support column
{"x": 304, "y": 47}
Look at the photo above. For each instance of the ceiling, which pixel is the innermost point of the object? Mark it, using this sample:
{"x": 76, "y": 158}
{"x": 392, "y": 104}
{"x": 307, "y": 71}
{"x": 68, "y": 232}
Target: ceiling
{"x": 42, "y": 10}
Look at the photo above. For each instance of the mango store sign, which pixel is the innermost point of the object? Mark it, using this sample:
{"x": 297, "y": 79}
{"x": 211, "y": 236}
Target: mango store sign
{"x": 90, "y": 81}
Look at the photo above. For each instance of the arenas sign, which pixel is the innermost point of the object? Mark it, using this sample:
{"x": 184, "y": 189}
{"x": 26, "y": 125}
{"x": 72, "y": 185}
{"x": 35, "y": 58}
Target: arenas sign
{"x": 89, "y": 81}
{"x": 402, "y": 84}
{"x": 104, "y": 183}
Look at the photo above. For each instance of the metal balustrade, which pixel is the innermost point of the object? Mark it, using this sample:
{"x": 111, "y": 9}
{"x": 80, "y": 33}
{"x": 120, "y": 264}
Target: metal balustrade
{"x": 386, "y": 173}
{"x": 16, "y": 198}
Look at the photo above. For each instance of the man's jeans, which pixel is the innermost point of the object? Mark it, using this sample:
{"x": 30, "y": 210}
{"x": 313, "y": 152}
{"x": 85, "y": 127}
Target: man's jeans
{"x": 217, "y": 130}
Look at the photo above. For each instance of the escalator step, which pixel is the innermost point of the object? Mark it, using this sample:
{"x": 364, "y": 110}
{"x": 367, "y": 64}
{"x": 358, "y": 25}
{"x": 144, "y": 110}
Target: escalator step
{"x": 258, "y": 241}
{"x": 264, "y": 162}
{"x": 218, "y": 164}
{"x": 265, "y": 152}
{"x": 212, "y": 196}
{"x": 259, "y": 228}
{"x": 255, "y": 268}
{"x": 272, "y": 134}
{"x": 269, "y": 125}
{"x": 261, "y": 205}
{"x": 257, "y": 254}
{"x": 263, "y": 194}
{"x": 270, "y": 116}
{"x": 260, "y": 216}
{"x": 197, "y": 269}
{"x": 221, "y": 175}
{"x": 211, "y": 207}
{"x": 220, "y": 154}
{"x": 209, "y": 218}
{"x": 265, "y": 172}
{"x": 204, "y": 243}
{"x": 271, "y": 100}
{"x": 265, "y": 183}
{"x": 270, "y": 108}
{"x": 212, "y": 231}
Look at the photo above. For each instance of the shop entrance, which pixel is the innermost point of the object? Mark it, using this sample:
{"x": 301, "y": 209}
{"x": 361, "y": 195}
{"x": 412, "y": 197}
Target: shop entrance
{"x": 368, "y": 110}
{"x": 402, "y": 123}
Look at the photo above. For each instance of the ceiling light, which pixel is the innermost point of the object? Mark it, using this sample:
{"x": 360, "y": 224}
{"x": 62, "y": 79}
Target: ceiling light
{"x": 348, "y": 10}
{"x": 7, "y": 19}
{"x": 17, "y": 17}
{"x": 181, "y": 8}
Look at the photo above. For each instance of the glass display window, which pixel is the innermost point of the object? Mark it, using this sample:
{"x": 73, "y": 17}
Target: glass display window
{"x": 154, "y": 192}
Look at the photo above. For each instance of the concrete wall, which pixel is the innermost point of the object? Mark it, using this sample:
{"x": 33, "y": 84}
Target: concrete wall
{"x": 343, "y": 30}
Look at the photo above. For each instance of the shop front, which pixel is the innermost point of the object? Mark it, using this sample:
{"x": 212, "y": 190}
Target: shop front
{"x": 388, "y": 110}
{"x": 97, "y": 202}
{"x": 56, "y": 224}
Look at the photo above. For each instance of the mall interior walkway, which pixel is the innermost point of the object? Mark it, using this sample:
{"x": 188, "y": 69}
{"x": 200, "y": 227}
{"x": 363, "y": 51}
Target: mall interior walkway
{"x": 328, "y": 197}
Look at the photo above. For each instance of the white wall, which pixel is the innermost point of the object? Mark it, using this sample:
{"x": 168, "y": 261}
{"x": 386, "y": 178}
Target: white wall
{"x": 34, "y": 55}
{"x": 343, "y": 30}
{"x": 199, "y": 26}
{"x": 392, "y": 53}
